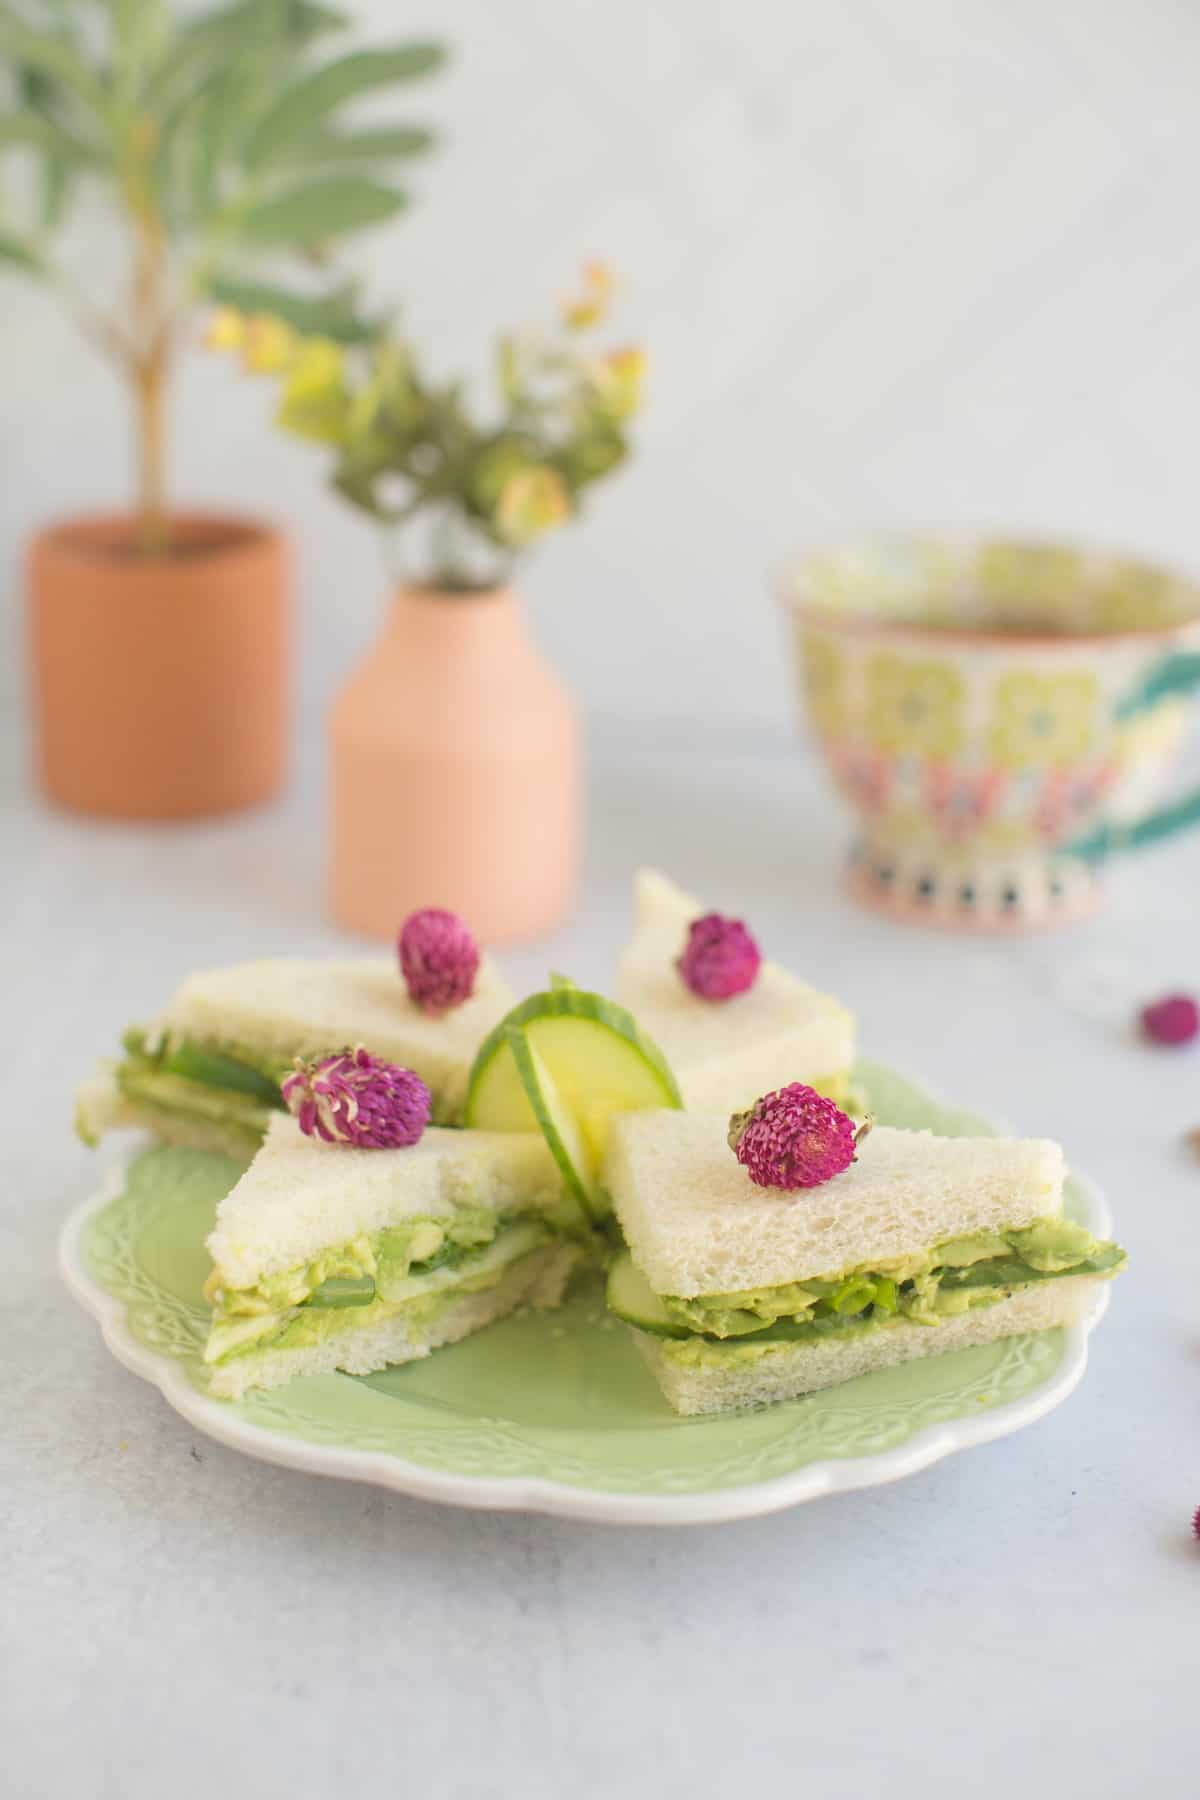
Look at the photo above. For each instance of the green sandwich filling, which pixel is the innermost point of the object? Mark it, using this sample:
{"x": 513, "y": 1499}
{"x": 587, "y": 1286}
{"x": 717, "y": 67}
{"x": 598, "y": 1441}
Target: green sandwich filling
{"x": 231, "y": 1085}
{"x": 953, "y": 1277}
{"x": 416, "y": 1268}
{"x": 227, "y": 1084}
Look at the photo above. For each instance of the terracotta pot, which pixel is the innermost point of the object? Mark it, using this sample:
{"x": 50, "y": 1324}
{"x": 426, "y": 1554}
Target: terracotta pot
{"x": 456, "y": 763}
{"x": 160, "y": 683}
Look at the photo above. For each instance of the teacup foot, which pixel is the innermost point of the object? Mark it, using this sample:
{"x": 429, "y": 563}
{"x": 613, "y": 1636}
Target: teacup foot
{"x": 1030, "y": 896}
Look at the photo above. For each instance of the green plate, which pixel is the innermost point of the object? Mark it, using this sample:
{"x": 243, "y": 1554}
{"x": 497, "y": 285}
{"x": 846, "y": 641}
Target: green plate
{"x": 550, "y": 1412}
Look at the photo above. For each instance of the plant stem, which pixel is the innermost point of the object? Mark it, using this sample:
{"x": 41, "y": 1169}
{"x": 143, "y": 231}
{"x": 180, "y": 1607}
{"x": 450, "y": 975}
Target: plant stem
{"x": 150, "y": 373}
{"x": 150, "y": 390}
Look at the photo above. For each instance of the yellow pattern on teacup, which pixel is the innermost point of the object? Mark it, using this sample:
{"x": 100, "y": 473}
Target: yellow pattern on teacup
{"x": 1006, "y": 837}
{"x": 1133, "y": 598}
{"x": 824, "y": 672}
{"x": 894, "y": 579}
{"x": 906, "y": 828}
{"x": 1042, "y": 721}
{"x": 1036, "y": 582}
{"x": 914, "y": 707}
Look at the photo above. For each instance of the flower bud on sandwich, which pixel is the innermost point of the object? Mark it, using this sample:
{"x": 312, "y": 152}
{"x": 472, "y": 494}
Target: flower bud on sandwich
{"x": 794, "y": 1138}
{"x": 355, "y": 1098}
{"x": 439, "y": 959}
{"x": 719, "y": 959}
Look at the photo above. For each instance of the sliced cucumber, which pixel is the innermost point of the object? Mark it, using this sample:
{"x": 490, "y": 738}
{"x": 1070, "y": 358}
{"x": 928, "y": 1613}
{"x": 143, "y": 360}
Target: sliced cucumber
{"x": 344, "y": 1290}
{"x": 511, "y": 1242}
{"x": 212, "y": 1067}
{"x": 631, "y": 1297}
{"x": 556, "y": 1123}
{"x": 563, "y": 1062}
{"x": 149, "y": 1086}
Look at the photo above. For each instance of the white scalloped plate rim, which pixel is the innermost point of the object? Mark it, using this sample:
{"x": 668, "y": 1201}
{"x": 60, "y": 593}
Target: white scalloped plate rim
{"x": 510, "y": 1493}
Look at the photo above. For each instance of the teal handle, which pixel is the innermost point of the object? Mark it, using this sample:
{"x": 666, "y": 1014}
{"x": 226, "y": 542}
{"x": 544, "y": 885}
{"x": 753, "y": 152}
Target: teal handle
{"x": 1176, "y": 674}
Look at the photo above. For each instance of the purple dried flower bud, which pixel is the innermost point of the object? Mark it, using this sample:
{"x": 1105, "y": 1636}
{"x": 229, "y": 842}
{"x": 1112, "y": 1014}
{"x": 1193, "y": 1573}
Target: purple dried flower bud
{"x": 1175, "y": 1019}
{"x": 794, "y": 1138}
{"x": 355, "y": 1098}
{"x": 720, "y": 958}
{"x": 439, "y": 959}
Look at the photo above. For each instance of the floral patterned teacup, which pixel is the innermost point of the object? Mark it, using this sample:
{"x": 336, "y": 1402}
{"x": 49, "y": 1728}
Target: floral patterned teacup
{"x": 999, "y": 714}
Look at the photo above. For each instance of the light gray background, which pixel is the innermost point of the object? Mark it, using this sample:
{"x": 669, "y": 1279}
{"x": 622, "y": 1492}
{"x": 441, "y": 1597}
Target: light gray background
{"x": 930, "y": 262}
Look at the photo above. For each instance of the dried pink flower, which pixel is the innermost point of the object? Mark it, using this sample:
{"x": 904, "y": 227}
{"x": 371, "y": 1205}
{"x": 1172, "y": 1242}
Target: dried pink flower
{"x": 719, "y": 959}
{"x": 439, "y": 959}
{"x": 1175, "y": 1019}
{"x": 355, "y": 1098}
{"x": 794, "y": 1138}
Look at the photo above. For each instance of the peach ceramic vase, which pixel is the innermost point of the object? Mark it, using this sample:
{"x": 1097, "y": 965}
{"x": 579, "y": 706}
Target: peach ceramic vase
{"x": 456, "y": 772}
{"x": 160, "y": 683}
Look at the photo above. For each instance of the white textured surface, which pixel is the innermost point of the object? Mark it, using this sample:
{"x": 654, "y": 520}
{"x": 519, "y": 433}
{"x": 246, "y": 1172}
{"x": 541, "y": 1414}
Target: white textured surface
{"x": 697, "y": 1224}
{"x": 180, "y": 1620}
{"x": 930, "y": 262}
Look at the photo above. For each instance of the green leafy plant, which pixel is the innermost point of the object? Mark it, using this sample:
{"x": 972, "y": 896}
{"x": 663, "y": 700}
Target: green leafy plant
{"x": 220, "y": 141}
{"x": 411, "y": 451}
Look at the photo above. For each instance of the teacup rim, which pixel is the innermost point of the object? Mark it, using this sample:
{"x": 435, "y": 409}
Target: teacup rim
{"x": 869, "y": 625}
{"x": 975, "y": 636}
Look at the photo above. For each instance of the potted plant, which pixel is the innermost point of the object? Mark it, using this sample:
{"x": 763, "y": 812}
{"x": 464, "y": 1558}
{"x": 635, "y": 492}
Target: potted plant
{"x": 455, "y": 749}
{"x": 219, "y": 143}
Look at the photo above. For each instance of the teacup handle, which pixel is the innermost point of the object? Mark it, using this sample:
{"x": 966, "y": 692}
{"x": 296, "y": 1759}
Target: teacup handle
{"x": 1178, "y": 673}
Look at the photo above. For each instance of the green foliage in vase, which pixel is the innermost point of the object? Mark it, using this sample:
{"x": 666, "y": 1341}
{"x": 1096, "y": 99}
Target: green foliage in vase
{"x": 224, "y": 142}
{"x": 412, "y": 450}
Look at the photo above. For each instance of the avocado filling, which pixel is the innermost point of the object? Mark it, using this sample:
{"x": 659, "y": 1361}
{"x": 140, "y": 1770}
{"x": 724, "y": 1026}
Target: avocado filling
{"x": 951, "y": 1278}
{"x": 415, "y": 1268}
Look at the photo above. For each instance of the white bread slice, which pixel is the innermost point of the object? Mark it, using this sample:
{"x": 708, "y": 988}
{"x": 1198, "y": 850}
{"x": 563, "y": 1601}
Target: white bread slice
{"x": 725, "y": 1053}
{"x": 101, "y": 1106}
{"x": 787, "y": 1370}
{"x": 292, "y": 1007}
{"x": 697, "y": 1224}
{"x": 535, "y": 1280}
{"x": 301, "y": 1196}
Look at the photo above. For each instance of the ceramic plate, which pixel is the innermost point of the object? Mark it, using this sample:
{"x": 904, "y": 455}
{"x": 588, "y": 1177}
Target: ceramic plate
{"x": 550, "y": 1412}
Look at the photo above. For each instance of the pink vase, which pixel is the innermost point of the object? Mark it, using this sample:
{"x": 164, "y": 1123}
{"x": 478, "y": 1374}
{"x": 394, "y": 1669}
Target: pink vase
{"x": 456, "y": 772}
